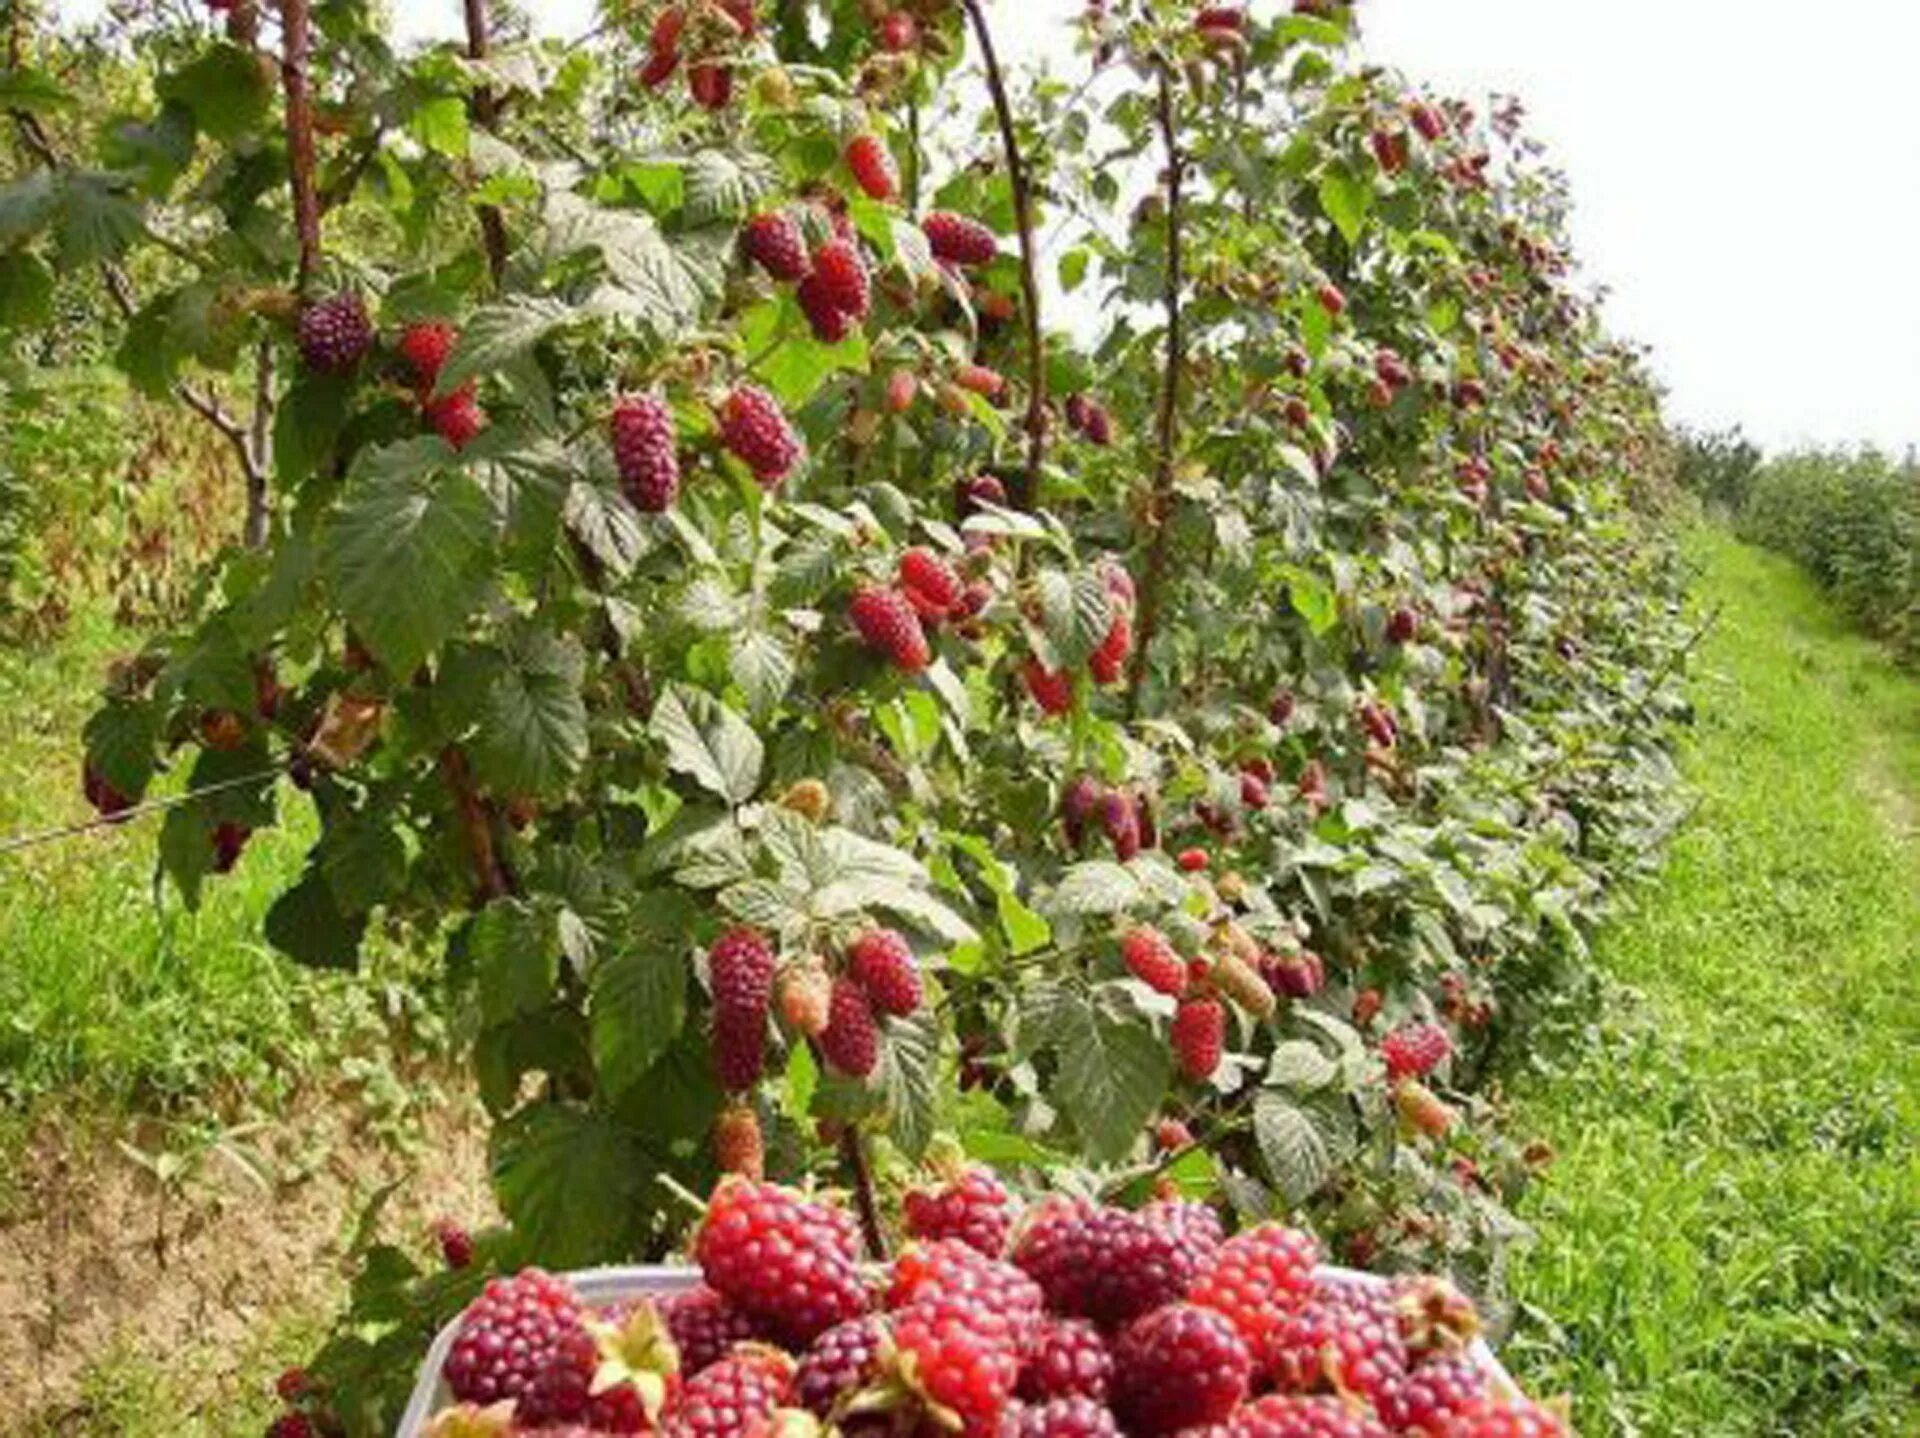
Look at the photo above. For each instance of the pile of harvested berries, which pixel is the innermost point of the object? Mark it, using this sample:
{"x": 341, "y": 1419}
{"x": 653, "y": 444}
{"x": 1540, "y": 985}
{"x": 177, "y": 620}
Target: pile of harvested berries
{"x": 1071, "y": 1320}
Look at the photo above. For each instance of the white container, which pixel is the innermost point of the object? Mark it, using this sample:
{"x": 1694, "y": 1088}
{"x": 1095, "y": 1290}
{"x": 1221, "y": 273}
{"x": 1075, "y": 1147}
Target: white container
{"x": 600, "y": 1286}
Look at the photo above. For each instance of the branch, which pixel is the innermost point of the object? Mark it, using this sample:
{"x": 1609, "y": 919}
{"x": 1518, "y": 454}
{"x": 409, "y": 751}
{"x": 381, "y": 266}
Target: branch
{"x": 1160, "y": 509}
{"x": 296, "y": 55}
{"x": 1029, "y": 283}
{"x": 486, "y": 113}
{"x": 854, "y": 1150}
{"x": 471, "y": 815}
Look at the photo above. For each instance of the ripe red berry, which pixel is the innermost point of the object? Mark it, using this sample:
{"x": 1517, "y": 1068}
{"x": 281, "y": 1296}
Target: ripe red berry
{"x": 663, "y": 47}
{"x": 645, "y": 452}
{"x": 841, "y": 276}
{"x": 1193, "y": 861}
{"x": 830, "y": 323}
{"x": 229, "y": 840}
{"x": 754, "y": 428}
{"x": 773, "y": 241}
{"x": 981, "y": 489}
{"x": 850, "y": 1043}
{"x": 882, "y": 962}
{"x": 1120, "y": 817}
{"x": 1153, "y": 961}
{"x": 507, "y": 1335}
{"x": 1052, "y": 689}
{"x": 787, "y": 1262}
{"x": 1068, "y": 1359}
{"x": 457, "y": 418}
{"x": 106, "y": 800}
{"x": 334, "y": 334}
{"x": 425, "y": 347}
{"x": 1403, "y": 626}
{"x": 1066, "y": 1418}
{"x": 842, "y": 1361}
{"x": 888, "y": 625}
{"x": 1199, "y": 1036}
{"x": 872, "y": 166}
{"x": 456, "y": 1244}
{"x": 973, "y": 1208}
{"x": 1510, "y": 1418}
{"x": 740, "y": 967}
{"x": 1330, "y": 298}
{"x": 291, "y": 1425}
{"x": 293, "y": 1385}
{"x": 1389, "y": 149}
{"x": 1105, "y": 1264}
{"x": 988, "y": 383}
{"x": 564, "y": 1392}
{"x": 930, "y": 584}
{"x": 1428, "y": 121}
{"x": 1289, "y": 1415}
{"x": 1253, "y": 791}
{"x": 1415, "y": 1050}
{"x": 1182, "y": 1366}
{"x": 958, "y": 239}
{"x": 1257, "y": 1278}
{"x": 1338, "y": 1347}
{"x": 961, "y": 1353}
{"x": 899, "y": 32}
{"x": 1109, "y": 661}
{"x": 711, "y": 86}
{"x": 724, "y": 1399}
{"x": 1433, "y": 1395}
{"x": 703, "y": 1325}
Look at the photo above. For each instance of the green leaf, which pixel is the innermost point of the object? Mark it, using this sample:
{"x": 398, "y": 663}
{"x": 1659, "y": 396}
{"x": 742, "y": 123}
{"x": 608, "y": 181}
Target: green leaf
{"x": 910, "y": 1080}
{"x": 658, "y": 284}
{"x": 225, "y": 89}
{"x": 308, "y": 422}
{"x": 1313, "y": 599}
{"x": 516, "y": 956}
{"x": 1299, "y": 1154}
{"x": 1347, "y": 199}
{"x": 440, "y": 124}
{"x": 1098, "y": 886}
{"x": 638, "y": 993}
{"x": 156, "y": 152}
{"x": 1112, "y": 1070}
{"x": 97, "y": 219}
{"x": 35, "y": 92}
{"x": 724, "y": 186}
{"x": 364, "y": 860}
{"x": 307, "y": 924}
{"x": 762, "y": 666}
{"x": 709, "y": 743}
{"x": 26, "y": 206}
{"x": 407, "y": 552}
{"x": 608, "y": 526}
{"x": 571, "y": 1181}
{"x": 499, "y": 335}
{"x": 120, "y": 740}
{"x": 532, "y": 736}
{"x": 1299, "y": 1064}
{"x": 1077, "y": 612}
{"x": 26, "y": 291}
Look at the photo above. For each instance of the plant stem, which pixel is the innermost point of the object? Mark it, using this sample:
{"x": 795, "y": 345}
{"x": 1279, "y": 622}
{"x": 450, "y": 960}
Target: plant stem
{"x": 1029, "y": 280}
{"x": 296, "y": 53}
{"x": 471, "y": 815}
{"x": 853, "y": 1149}
{"x": 1161, "y": 506}
{"x": 486, "y": 113}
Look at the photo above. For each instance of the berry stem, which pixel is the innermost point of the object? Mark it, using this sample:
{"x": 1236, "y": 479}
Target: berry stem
{"x": 486, "y": 112}
{"x": 1162, "y": 501}
{"x": 296, "y": 54}
{"x": 853, "y": 1149}
{"x": 471, "y": 815}
{"x": 1029, "y": 282}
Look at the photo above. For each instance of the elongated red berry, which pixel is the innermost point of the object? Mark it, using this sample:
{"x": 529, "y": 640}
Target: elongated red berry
{"x": 1199, "y": 1036}
{"x": 888, "y": 625}
{"x": 788, "y": 1262}
{"x": 899, "y": 32}
{"x": 841, "y": 275}
{"x": 973, "y": 1208}
{"x": 508, "y": 1334}
{"x": 958, "y": 239}
{"x": 740, "y": 968}
{"x": 755, "y": 429}
{"x": 1257, "y": 1278}
{"x": 1415, "y": 1050}
{"x": 872, "y": 166}
{"x": 1052, "y": 689}
{"x": 1153, "y": 960}
{"x": 930, "y": 584}
{"x": 425, "y": 347}
{"x": 1180, "y": 1367}
{"x": 773, "y": 241}
{"x": 1331, "y": 299}
{"x": 645, "y": 452}
{"x": 850, "y": 1043}
{"x": 738, "y": 1391}
{"x": 1120, "y": 817}
{"x": 1109, "y": 662}
{"x": 882, "y": 962}
{"x": 663, "y": 47}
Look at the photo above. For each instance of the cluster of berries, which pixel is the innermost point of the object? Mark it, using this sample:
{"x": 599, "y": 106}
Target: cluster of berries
{"x": 717, "y": 27}
{"x": 835, "y": 290}
{"x": 840, "y": 1012}
{"x": 893, "y": 620}
{"x": 1070, "y": 1321}
{"x": 455, "y": 417}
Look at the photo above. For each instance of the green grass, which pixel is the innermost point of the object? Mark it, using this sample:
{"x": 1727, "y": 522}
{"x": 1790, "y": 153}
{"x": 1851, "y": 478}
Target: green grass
{"x": 1730, "y": 1240}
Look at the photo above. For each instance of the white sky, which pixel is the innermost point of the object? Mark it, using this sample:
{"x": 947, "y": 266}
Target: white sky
{"x": 1746, "y": 176}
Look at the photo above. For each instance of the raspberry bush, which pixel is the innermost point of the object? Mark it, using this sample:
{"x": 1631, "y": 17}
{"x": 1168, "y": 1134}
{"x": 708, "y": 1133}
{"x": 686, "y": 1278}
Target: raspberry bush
{"x": 692, "y": 539}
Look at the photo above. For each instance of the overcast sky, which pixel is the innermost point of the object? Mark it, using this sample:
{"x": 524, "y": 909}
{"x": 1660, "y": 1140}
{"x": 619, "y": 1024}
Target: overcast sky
{"x": 1746, "y": 176}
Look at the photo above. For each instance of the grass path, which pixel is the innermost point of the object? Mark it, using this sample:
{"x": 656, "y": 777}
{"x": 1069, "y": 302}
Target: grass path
{"x": 1730, "y": 1240}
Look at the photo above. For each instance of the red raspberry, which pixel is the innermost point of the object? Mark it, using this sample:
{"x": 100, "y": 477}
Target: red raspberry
{"x": 508, "y": 1334}
{"x": 872, "y": 166}
{"x": 1415, "y": 1050}
{"x": 1345, "y": 1348}
{"x": 740, "y": 968}
{"x": 704, "y": 1326}
{"x": 425, "y": 347}
{"x": 1427, "y": 120}
{"x": 850, "y": 1043}
{"x": 1079, "y": 801}
{"x": 1067, "y": 1418}
{"x": 1153, "y": 961}
{"x": 1288, "y": 1415}
{"x": 1069, "y": 1359}
{"x": 958, "y": 239}
{"x": 947, "y": 1268}
{"x": 1052, "y": 689}
{"x": 1179, "y": 1367}
{"x": 1199, "y": 1036}
{"x": 1331, "y": 299}
{"x": 974, "y": 1208}
{"x": 1195, "y": 1227}
{"x": 1193, "y": 861}
{"x": 335, "y": 334}
{"x": 1380, "y": 725}
{"x": 1300, "y": 976}
{"x": 1254, "y": 793}
{"x": 749, "y": 1383}
{"x": 1257, "y": 1278}
{"x": 786, "y": 1262}
{"x": 888, "y": 625}
{"x": 663, "y": 47}
{"x": 1106, "y": 1264}
{"x": 981, "y": 380}
{"x": 843, "y": 1360}
{"x": 1120, "y": 817}
{"x": 882, "y": 963}
{"x": 899, "y": 32}
{"x": 830, "y": 323}
{"x": 773, "y": 241}
{"x": 961, "y": 1354}
{"x": 106, "y": 800}
{"x": 755, "y": 429}
{"x": 1434, "y": 1395}
{"x": 456, "y": 1244}
{"x": 645, "y": 452}
{"x": 229, "y": 841}
{"x": 1109, "y": 661}
{"x": 1510, "y": 1418}
{"x": 841, "y": 275}
{"x": 930, "y": 584}
{"x": 457, "y": 418}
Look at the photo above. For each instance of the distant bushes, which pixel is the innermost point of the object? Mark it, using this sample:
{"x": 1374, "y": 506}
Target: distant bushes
{"x": 1853, "y": 519}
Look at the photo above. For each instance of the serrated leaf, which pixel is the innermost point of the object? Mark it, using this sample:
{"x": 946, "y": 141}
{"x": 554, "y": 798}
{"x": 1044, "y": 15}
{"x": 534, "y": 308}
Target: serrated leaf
{"x": 658, "y": 284}
{"x": 441, "y": 125}
{"x": 363, "y": 858}
{"x": 224, "y": 88}
{"x": 709, "y": 743}
{"x": 1297, "y": 1154}
{"x": 571, "y": 1181}
{"x": 120, "y": 740}
{"x": 515, "y": 948}
{"x": 532, "y": 735}
{"x": 638, "y": 993}
{"x": 97, "y": 219}
{"x": 608, "y": 526}
{"x": 308, "y": 925}
{"x": 499, "y": 335}
{"x": 909, "y": 1079}
{"x": 1112, "y": 1072}
{"x": 1077, "y": 613}
{"x": 407, "y": 552}
{"x": 1347, "y": 199}
{"x": 1098, "y": 886}
{"x": 26, "y": 291}
{"x": 1299, "y": 1064}
{"x": 721, "y": 185}
{"x": 762, "y": 666}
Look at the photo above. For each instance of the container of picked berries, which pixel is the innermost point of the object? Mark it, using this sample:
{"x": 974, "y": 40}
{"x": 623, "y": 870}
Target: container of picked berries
{"x": 1068, "y": 1320}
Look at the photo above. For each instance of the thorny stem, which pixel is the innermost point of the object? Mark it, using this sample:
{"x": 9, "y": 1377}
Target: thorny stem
{"x": 296, "y": 52}
{"x": 486, "y": 112}
{"x": 1161, "y": 504}
{"x": 1029, "y": 281}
